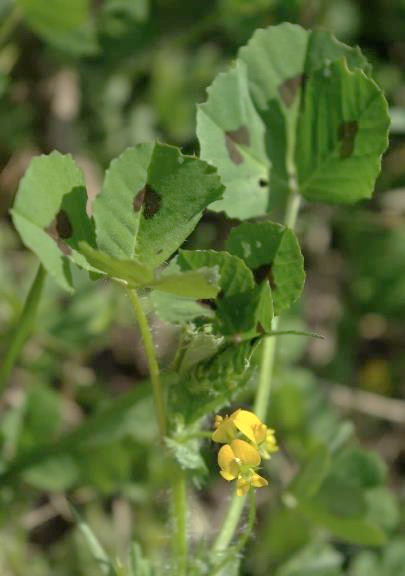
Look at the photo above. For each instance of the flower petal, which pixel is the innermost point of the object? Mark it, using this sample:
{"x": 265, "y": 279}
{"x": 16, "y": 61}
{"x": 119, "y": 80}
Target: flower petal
{"x": 227, "y": 475}
{"x": 246, "y": 453}
{"x": 246, "y": 421}
{"x": 242, "y": 487}
{"x": 225, "y": 456}
{"x": 258, "y": 481}
{"x": 225, "y": 432}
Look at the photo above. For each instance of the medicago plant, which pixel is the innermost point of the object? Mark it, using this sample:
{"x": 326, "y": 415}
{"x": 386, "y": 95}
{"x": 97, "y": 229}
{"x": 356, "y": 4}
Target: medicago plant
{"x": 296, "y": 118}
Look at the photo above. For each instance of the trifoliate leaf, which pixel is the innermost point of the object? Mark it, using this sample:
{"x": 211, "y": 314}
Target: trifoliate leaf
{"x": 274, "y": 254}
{"x": 302, "y": 103}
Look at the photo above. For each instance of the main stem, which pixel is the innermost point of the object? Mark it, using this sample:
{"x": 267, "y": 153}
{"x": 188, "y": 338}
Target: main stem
{"x": 178, "y": 478}
{"x": 261, "y": 403}
{"x": 179, "y": 503}
{"x": 23, "y": 327}
{"x": 153, "y": 365}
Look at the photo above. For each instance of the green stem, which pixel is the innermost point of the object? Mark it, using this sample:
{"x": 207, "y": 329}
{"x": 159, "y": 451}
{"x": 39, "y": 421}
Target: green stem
{"x": 230, "y": 524}
{"x": 23, "y": 328}
{"x": 153, "y": 365}
{"x": 179, "y": 503}
{"x": 246, "y": 532}
{"x": 179, "y": 485}
{"x": 261, "y": 403}
{"x": 265, "y": 374}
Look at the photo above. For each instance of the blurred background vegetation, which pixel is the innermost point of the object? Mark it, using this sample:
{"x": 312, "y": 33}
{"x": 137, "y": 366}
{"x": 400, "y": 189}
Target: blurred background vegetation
{"x": 92, "y": 78}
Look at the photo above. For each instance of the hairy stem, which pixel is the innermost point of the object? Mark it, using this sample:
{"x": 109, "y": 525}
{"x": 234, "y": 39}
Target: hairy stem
{"x": 265, "y": 374}
{"x": 230, "y": 524}
{"x": 153, "y": 365}
{"x": 178, "y": 477}
{"x": 23, "y": 327}
{"x": 263, "y": 391}
{"x": 179, "y": 514}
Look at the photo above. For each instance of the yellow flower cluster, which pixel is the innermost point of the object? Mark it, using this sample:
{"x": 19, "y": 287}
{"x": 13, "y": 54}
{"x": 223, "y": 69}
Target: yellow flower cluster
{"x": 239, "y": 459}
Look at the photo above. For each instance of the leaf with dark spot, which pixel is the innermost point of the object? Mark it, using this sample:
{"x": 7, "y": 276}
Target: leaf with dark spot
{"x": 289, "y": 88}
{"x": 262, "y": 273}
{"x": 63, "y": 225}
{"x": 53, "y": 232}
{"x": 149, "y": 199}
{"x": 139, "y": 200}
{"x": 347, "y": 135}
{"x": 232, "y": 138}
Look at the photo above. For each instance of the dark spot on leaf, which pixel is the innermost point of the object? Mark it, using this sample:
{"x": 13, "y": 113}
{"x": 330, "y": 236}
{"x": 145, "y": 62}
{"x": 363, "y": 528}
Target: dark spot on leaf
{"x": 63, "y": 226}
{"x": 221, "y": 295}
{"x": 263, "y": 182}
{"x": 232, "y": 138}
{"x": 159, "y": 251}
{"x": 260, "y": 329}
{"x": 149, "y": 199}
{"x": 207, "y": 304}
{"x": 60, "y": 229}
{"x": 288, "y": 89}
{"x": 262, "y": 273}
{"x": 347, "y": 135}
{"x": 139, "y": 199}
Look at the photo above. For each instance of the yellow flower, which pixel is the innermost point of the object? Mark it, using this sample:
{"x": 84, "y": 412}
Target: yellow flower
{"x": 225, "y": 430}
{"x": 238, "y": 461}
{"x": 251, "y": 426}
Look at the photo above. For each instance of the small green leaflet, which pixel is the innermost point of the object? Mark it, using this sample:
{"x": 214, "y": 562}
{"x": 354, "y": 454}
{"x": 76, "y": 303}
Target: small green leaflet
{"x": 201, "y": 283}
{"x": 243, "y": 309}
{"x": 274, "y": 254}
{"x": 212, "y": 383}
{"x": 297, "y": 105}
{"x": 152, "y": 199}
{"x": 49, "y": 213}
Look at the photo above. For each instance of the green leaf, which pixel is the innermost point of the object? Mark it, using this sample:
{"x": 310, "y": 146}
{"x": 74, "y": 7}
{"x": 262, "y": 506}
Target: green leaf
{"x": 301, "y": 102}
{"x": 243, "y": 308}
{"x": 56, "y": 17}
{"x": 138, "y": 565}
{"x": 213, "y": 383}
{"x": 360, "y": 468}
{"x": 316, "y": 559}
{"x": 357, "y": 530}
{"x": 96, "y": 549}
{"x": 131, "y": 271}
{"x": 383, "y": 508}
{"x": 273, "y": 252}
{"x": 341, "y": 136}
{"x": 248, "y": 314}
{"x": 178, "y": 309}
{"x": 231, "y": 136}
{"x": 306, "y": 484}
{"x": 201, "y": 283}
{"x": 186, "y": 446}
{"x": 49, "y": 213}
{"x": 198, "y": 345}
{"x": 151, "y": 200}
{"x": 234, "y": 276}
{"x": 66, "y": 24}
{"x": 137, "y": 9}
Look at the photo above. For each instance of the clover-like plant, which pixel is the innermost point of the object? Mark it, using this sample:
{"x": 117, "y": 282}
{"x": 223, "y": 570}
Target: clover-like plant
{"x": 297, "y": 118}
